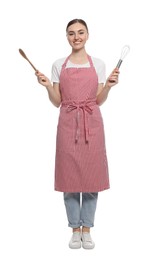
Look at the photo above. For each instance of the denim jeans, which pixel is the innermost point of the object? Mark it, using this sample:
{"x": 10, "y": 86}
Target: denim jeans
{"x": 80, "y": 208}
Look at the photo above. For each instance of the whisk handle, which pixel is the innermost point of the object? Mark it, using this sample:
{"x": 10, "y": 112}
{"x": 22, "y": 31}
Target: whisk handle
{"x": 119, "y": 63}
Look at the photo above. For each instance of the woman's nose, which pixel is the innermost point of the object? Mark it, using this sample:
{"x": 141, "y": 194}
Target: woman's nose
{"x": 76, "y": 36}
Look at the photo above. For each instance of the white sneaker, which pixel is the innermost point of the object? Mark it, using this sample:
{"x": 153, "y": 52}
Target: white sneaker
{"x": 87, "y": 242}
{"x": 75, "y": 241}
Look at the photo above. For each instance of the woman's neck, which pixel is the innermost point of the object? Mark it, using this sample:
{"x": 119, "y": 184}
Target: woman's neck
{"x": 79, "y": 57}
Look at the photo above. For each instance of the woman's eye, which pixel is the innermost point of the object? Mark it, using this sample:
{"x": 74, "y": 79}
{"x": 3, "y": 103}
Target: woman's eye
{"x": 72, "y": 33}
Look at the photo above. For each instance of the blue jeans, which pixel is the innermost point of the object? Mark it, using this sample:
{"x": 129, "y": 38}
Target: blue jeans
{"x": 80, "y": 209}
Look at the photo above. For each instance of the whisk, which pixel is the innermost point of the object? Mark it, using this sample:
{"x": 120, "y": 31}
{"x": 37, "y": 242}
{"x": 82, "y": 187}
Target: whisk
{"x": 124, "y": 52}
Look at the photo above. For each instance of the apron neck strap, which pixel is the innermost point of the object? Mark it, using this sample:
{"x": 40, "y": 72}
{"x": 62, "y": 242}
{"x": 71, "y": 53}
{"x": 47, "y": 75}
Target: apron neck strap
{"x": 89, "y": 59}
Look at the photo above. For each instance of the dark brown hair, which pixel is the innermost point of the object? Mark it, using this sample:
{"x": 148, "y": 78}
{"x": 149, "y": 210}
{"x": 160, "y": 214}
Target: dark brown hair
{"x": 77, "y": 21}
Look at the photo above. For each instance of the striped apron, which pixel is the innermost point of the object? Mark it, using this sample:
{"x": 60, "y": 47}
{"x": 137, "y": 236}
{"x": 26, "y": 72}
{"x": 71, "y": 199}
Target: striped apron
{"x": 80, "y": 161}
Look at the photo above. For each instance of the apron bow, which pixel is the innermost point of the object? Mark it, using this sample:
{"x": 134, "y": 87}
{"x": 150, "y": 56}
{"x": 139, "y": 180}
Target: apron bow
{"x": 86, "y": 107}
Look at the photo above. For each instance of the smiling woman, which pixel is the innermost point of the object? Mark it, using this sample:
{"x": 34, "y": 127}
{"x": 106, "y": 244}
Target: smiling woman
{"x": 81, "y": 168}
{"x": 77, "y": 35}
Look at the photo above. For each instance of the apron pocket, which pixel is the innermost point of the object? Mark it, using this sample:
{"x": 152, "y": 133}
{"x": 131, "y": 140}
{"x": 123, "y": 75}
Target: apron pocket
{"x": 65, "y": 135}
{"x": 96, "y": 139}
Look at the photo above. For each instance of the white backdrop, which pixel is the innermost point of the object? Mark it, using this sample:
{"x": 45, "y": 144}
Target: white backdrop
{"x": 33, "y": 222}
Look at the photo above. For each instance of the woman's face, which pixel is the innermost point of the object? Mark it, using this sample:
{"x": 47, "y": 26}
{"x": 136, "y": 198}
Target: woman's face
{"x": 77, "y": 36}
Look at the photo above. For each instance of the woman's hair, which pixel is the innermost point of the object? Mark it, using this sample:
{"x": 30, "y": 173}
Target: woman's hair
{"x": 77, "y": 21}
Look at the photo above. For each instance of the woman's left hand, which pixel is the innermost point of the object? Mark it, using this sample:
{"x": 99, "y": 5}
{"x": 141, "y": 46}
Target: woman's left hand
{"x": 113, "y": 78}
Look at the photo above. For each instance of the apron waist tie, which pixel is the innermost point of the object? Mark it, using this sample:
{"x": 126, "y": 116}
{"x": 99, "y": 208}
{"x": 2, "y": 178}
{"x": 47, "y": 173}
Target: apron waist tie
{"x": 86, "y": 107}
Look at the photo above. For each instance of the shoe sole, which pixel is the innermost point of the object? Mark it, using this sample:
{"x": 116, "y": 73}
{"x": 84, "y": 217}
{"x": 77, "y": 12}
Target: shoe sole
{"x": 75, "y": 247}
{"x": 88, "y": 248}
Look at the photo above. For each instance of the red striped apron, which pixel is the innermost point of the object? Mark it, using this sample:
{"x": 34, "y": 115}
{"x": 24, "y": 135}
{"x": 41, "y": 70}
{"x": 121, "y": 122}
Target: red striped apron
{"x": 80, "y": 161}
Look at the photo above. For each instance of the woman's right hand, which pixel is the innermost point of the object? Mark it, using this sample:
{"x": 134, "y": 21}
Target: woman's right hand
{"x": 42, "y": 79}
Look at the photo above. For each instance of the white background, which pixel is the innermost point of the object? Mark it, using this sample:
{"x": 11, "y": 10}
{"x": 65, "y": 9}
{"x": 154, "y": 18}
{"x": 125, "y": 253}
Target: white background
{"x": 33, "y": 222}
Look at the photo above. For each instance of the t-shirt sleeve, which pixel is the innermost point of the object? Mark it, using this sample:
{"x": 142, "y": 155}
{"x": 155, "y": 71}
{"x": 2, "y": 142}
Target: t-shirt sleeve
{"x": 55, "y": 73}
{"x": 100, "y": 69}
{"x": 101, "y": 72}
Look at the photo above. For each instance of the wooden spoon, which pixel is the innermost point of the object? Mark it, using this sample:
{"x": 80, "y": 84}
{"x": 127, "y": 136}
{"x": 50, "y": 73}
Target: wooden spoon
{"x": 25, "y": 57}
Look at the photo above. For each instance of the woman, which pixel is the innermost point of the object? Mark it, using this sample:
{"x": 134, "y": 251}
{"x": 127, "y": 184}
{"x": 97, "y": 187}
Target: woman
{"x": 79, "y": 86}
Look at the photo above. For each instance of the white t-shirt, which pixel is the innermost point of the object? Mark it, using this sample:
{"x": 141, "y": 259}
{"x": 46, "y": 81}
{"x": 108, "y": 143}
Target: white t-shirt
{"x": 97, "y": 63}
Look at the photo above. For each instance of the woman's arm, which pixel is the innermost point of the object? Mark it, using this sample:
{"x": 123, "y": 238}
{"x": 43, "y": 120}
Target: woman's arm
{"x": 103, "y": 91}
{"x": 53, "y": 90}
